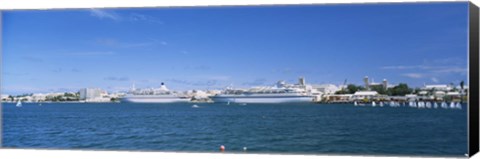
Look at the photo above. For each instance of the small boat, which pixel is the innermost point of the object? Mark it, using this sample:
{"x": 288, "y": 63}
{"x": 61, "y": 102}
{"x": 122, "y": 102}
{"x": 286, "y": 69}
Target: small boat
{"x": 421, "y": 105}
{"x": 459, "y": 105}
{"x": 444, "y": 105}
{"x": 374, "y": 104}
{"x": 195, "y": 106}
{"x": 19, "y": 103}
{"x": 381, "y": 104}
{"x": 355, "y": 103}
{"x": 428, "y": 105}
{"x": 452, "y": 105}
{"x": 228, "y": 103}
{"x": 435, "y": 105}
{"x": 243, "y": 104}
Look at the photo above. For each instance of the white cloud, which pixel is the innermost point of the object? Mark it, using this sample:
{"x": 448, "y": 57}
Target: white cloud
{"x": 103, "y": 14}
{"x": 141, "y": 17}
{"x": 398, "y": 67}
{"x": 110, "y": 42}
{"x": 92, "y": 53}
{"x": 414, "y": 75}
{"x": 113, "y": 78}
{"x": 132, "y": 17}
{"x": 435, "y": 80}
{"x": 451, "y": 70}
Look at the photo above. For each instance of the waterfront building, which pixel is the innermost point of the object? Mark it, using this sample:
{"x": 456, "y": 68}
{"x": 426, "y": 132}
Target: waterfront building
{"x": 437, "y": 87}
{"x": 197, "y": 94}
{"x": 326, "y": 88}
{"x": 5, "y": 97}
{"x": 338, "y": 98}
{"x": 24, "y": 99}
{"x": 384, "y": 84}
{"x": 360, "y": 95}
{"x": 94, "y": 95}
{"x": 411, "y": 97}
{"x": 454, "y": 95}
{"x": 423, "y": 93}
{"x": 439, "y": 94}
{"x": 39, "y": 97}
{"x": 369, "y": 84}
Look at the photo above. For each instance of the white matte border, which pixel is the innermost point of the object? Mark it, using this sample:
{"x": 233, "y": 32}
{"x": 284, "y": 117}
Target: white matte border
{"x": 77, "y": 154}
{"x": 80, "y": 154}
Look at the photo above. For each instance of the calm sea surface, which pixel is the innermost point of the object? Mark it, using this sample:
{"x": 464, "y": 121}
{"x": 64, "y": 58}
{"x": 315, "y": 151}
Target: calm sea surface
{"x": 308, "y": 128}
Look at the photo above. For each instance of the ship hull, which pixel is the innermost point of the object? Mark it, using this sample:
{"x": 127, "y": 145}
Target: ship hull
{"x": 153, "y": 99}
{"x": 262, "y": 99}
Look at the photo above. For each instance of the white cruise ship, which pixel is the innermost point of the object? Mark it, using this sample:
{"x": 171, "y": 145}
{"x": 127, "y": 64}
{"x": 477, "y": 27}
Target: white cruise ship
{"x": 154, "y": 95}
{"x": 280, "y": 93}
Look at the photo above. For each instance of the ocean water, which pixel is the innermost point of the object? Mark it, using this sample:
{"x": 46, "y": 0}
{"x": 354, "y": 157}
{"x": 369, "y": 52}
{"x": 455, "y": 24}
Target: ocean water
{"x": 267, "y": 128}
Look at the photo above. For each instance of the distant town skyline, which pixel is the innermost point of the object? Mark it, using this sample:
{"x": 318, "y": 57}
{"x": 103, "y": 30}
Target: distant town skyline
{"x": 215, "y": 47}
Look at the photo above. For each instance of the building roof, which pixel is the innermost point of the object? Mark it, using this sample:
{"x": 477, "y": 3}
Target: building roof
{"x": 366, "y": 93}
{"x": 410, "y": 95}
{"x": 439, "y": 92}
{"x": 453, "y": 93}
{"x": 422, "y": 92}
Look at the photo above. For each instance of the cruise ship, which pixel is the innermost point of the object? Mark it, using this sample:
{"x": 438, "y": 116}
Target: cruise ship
{"x": 280, "y": 93}
{"x": 154, "y": 95}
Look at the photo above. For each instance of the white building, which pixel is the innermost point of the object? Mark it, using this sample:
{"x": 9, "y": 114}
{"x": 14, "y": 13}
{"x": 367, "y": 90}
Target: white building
{"x": 437, "y": 87}
{"x": 5, "y": 97}
{"x": 439, "y": 94}
{"x": 359, "y": 95}
{"x": 199, "y": 94}
{"x": 94, "y": 95}
{"x": 453, "y": 94}
{"x": 326, "y": 88}
{"x": 38, "y": 97}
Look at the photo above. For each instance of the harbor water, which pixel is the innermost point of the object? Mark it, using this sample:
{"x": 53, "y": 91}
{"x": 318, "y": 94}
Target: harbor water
{"x": 261, "y": 128}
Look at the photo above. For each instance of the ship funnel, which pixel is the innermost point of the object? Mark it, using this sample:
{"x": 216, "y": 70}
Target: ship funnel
{"x": 163, "y": 87}
{"x": 301, "y": 81}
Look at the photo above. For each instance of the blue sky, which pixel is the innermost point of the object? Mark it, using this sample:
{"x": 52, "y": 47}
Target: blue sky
{"x": 213, "y": 47}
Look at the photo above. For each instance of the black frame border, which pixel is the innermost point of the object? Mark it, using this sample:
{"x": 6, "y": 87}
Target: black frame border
{"x": 473, "y": 90}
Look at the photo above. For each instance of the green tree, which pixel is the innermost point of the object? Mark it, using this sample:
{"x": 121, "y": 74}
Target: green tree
{"x": 113, "y": 99}
{"x": 462, "y": 85}
{"x": 400, "y": 90}
{"x": 341, "y": 92}
{"x": 378, "y": 88}
{"x": 69, "y": 95}
{"x": 353, "y": 88}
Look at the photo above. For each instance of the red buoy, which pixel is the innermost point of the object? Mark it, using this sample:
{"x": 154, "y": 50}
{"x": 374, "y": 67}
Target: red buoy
{"x": 222, "y": 148}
